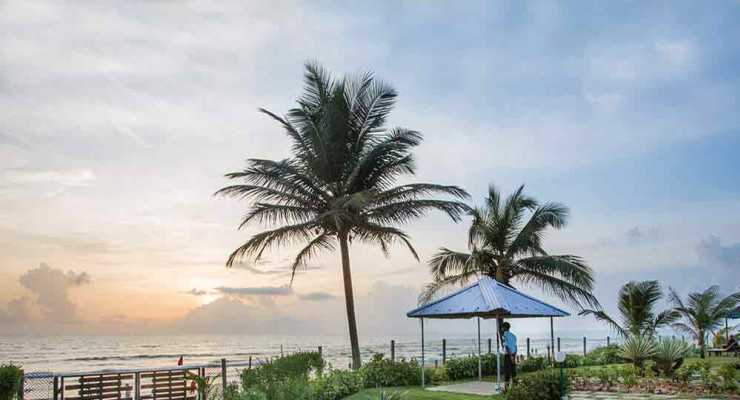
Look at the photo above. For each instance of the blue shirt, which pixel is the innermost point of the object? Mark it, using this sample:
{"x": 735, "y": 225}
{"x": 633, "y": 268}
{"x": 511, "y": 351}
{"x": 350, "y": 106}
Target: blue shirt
{"x": 509, "y": 342}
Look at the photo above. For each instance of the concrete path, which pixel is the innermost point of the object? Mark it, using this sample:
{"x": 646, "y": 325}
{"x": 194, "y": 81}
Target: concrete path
{"x": 475, "y": 387}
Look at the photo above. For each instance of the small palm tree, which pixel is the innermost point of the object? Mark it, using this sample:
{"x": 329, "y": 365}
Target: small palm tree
{"x": 703, "y": 312}
{"x": 338, "y": 186}
{"x": 505, "y": 243}
{"x": 636, "y": 305}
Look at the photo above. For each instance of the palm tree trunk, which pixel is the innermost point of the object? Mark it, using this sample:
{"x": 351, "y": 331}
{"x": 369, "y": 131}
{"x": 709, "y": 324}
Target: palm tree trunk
{"x": 701, "y": 344}
{"x": 350, "y": 301}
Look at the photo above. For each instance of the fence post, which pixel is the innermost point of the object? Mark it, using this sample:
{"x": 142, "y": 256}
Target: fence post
{"x": 281, "y": 351}
{"x": 21, "y": 387}
{"x": 607, "y": 341}
{"x": 584, "y": 346}
{"x": 528, "y": 353}
{"x": 444, "y": 351}
{"x": 393, "y": 350}
{"x": 558, "y": 344}
{"x": 548, "y": 353}
{"x": 55, "y": 391}
{"x": 489, "y": 345}
{"x": 223, "y": 378}
{"x": 321, "y": 352}
{"x": 137, "y": 385}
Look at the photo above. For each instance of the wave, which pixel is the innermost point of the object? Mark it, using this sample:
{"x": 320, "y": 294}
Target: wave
{"x": 159, "y": 356}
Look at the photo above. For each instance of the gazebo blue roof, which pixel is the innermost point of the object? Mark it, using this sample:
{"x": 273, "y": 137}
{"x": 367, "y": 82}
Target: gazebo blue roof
{"x": 734, "y": 314}
{"x": 487, "y": 298}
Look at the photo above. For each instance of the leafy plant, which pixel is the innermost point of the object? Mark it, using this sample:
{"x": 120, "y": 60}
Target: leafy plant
{"x": 543, "y": 385}
{"x": 283, "y": 376}
{"x": 604, "y": 355}
{"x": 336, "y": 385}
{"x": 10, "y": 381}
{"x": 505, "y": 243}
{"x": 395, "y": 395}
{"x": 628, "y": 374}
{"x": 382, "y": 372}
{"x": 638, "y": 349}
{"x": 338, "y": 185}
{"x": 437, "y": 375}
{"x": 573, "y": 361}
{"x": 703, "y": 312}
{"x": 636, "y": 305}
{"x": 532, "y": 364}
{"x": 669, "y": 355}
{"x": 204, "y": 384}
{"x": 467, "y": 367}
{"x": 728, "y": 373}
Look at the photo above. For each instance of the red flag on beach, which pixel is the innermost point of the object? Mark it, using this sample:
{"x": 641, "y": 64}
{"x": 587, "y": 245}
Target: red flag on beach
{"x": 179, "y": 361}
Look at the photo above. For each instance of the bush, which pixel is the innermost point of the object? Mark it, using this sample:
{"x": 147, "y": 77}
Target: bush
{"x": 728, "y": 373}
{"x": 286, "y": 376}
{"x": 532, "y": 364}
{"x": 537, "y": 386}
{"x": 437, "y": 375}
{"x": 603, "y": 356}
{"x": 669, "y": 355}
{"x": 638, "y": 349}
{"x": 467, "y": 367}
{"x": 573, "y": 361}
{"x": 382, "y": 372}
{"x": 336, "y": 385}
{"x": 10, "y": 381}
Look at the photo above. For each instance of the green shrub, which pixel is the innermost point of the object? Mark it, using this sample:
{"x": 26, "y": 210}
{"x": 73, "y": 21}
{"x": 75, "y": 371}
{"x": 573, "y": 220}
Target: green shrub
{"x": 628, "y": 374}
{"x": 573, "y": 361}
{"x": 467, "y": 367}
{"x": 638, "y": 349}
{"x": 382, "y": 372}
{"x": 285, "y": 376}
{"x": 543, "y": 385}
{"x": 669, "y": 355}
{"x": 251, "y": 394}
{"x": 532, "y": 364}
{"x": 603, "y": 356}
{"x": 10, "y": 381}
{"x": 336, "y": 385}
{"x": 728, "y": 373}
{"x": 437, "y": 375}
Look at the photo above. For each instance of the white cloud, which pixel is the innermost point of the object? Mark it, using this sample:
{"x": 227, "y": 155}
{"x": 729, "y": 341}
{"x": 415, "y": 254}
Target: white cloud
{"x": 73, "y": 177}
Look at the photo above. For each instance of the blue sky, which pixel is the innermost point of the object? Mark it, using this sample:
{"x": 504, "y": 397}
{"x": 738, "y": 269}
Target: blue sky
{"x": 117, "y": 122}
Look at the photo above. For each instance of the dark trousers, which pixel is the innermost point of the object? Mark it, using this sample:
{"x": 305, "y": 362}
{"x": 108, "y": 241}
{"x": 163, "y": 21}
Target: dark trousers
{"x": 509, "y": 367}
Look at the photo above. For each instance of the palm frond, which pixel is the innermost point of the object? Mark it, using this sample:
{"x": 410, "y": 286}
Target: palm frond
{"x": 267, "y": 213}
{"x": 321, "y": 242}
{"x": 604, "y": 317}
{"x": 440, "y": 286}
{"x": 383, "y": 235}
{"x": 566, "y": 276}
{"x": 258, "y": 243}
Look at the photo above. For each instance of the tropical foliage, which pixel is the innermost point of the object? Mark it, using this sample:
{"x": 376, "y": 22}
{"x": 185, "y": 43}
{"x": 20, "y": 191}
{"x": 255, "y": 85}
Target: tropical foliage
{"x": 638, "y": 349}
{"x": 702, "y": 312}
{"x": 505, "y": 242}
{"x": 636, "y": 305}
{"x": 10, "y": 381}
{"x": 338, "y": 185}
{"x": 669, "y": 355}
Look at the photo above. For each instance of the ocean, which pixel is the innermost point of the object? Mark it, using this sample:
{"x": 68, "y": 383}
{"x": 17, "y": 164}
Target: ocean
{"x": 94, "y": 353}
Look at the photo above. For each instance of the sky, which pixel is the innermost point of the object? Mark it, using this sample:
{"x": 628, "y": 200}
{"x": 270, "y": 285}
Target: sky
{"x": 119, "y": 119}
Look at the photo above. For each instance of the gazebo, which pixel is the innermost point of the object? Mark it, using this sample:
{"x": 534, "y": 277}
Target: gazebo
{"x": 487, "y": 299}
{"x": 734, "y": 314}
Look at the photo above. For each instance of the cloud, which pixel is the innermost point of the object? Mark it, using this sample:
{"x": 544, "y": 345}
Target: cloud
{"x": 316, "y": 296}
{"x": 256, "y": 291}
{"x": 196, "y": 292}
{"x": 74, "y": 177}
{"x": 50, "y": 301}
{"x": 643, "y": 235}
{"x": 712, "y": 250}
{"x": 50, "y": 287}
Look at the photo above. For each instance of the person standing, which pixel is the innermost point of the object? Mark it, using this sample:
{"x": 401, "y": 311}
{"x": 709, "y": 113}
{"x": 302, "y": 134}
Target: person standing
{"x": 509, "y": 343}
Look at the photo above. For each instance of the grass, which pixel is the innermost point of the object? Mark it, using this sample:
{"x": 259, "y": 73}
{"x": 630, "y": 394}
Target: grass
{"x": 417, "y": 393}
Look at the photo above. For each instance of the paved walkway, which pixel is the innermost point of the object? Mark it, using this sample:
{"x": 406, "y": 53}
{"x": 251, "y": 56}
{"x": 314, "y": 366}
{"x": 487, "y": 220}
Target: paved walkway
{"x": 475, "y": 387}
{"x": 626, "y": 396}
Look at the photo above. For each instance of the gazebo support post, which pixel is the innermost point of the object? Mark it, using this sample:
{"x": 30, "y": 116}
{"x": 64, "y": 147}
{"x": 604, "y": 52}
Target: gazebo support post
{"x": 552, "y": 338}
{"x": 480, "y": 366}
{"x": 422, "y": 352}
{"x": 498, "y": 360}
{"x": 727, "y": 332}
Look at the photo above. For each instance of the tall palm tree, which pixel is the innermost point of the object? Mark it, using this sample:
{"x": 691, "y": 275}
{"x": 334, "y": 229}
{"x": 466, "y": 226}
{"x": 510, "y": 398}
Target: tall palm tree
{"x": 338, "y": 184}
{"x": 636, "y": 305}
{"x": 505, "y": 243}
{"x": 702, "y": 312}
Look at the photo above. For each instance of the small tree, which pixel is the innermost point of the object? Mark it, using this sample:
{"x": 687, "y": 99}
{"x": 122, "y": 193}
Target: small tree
{"x": 702, "y": 312}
